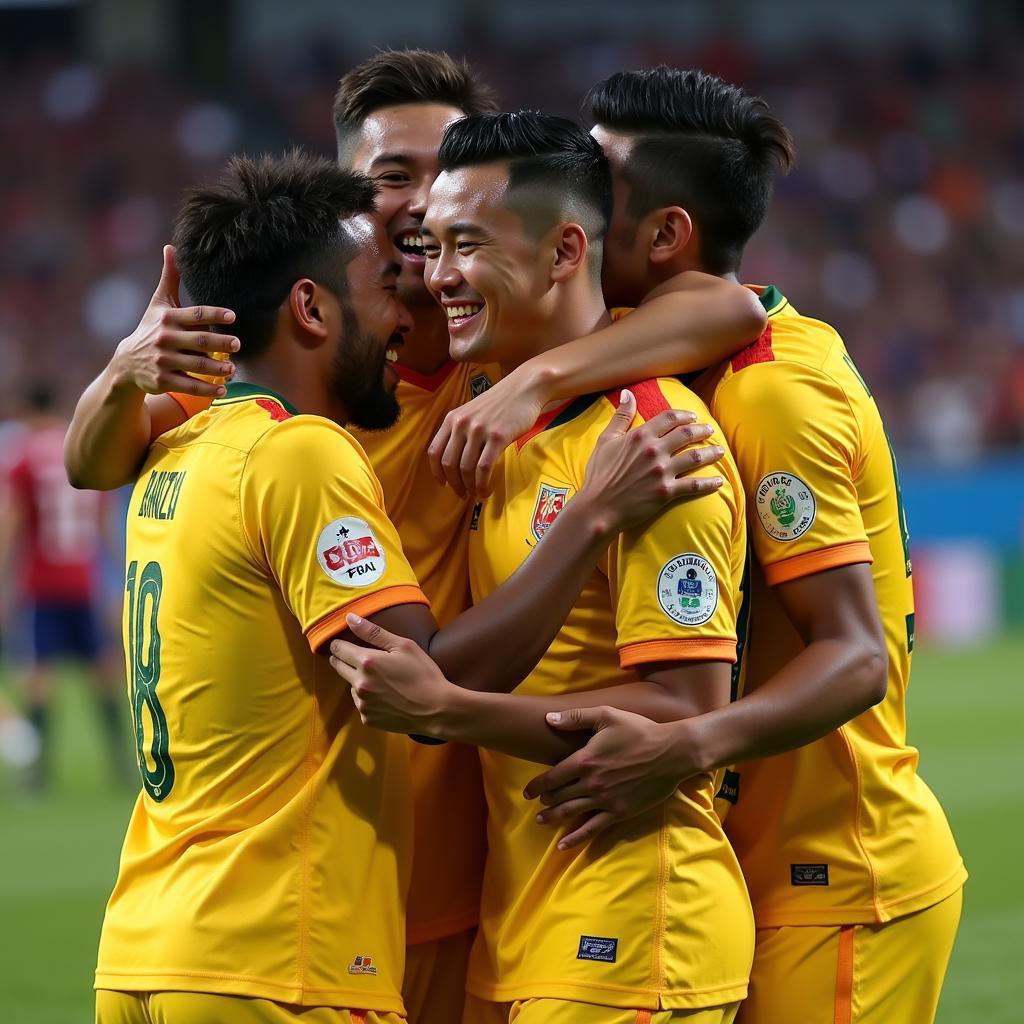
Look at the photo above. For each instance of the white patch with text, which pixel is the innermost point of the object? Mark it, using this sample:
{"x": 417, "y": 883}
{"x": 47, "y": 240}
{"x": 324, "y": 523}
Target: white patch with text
{"x": 688, "y": 589}
{"x": 785, "y": 506}
{"x": 349, "y": 553}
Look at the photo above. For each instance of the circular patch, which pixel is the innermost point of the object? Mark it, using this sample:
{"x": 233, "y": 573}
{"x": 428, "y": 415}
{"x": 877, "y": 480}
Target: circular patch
{"x": 785, "y": 506}
{"x": 349, "y": 553}
{"x": 688, "y": 590}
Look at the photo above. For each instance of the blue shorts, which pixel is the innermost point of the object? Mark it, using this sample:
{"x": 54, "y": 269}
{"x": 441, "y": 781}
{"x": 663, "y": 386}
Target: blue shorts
{"x": 65, "y": 629}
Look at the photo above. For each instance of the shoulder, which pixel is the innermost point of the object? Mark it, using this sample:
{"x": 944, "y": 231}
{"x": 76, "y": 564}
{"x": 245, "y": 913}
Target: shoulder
{"x": 306, "y": 444}
{"x": 658, "y": 395}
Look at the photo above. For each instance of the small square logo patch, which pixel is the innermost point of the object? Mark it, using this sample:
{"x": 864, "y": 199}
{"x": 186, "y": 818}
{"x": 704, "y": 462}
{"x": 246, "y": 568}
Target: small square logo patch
{"x": 808, "y": 874}
{"x": 593, "y": 947}
{"x": 730, "y": 788}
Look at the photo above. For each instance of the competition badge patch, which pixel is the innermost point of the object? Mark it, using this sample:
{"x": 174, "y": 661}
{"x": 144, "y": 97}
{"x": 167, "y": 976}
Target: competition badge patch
{"x": 785, "y": 506}
{"x": 550, "y": 501}
{"x": 349, "y": 553}
{"x": 362, "y": 965}
{"x": 688, "y": 589}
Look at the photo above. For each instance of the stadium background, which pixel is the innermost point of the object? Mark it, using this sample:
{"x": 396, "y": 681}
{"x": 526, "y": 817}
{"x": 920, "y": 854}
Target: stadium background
{"x": 903, "y": 225}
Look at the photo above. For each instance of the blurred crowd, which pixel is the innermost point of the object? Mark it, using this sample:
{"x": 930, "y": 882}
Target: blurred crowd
{"x": 903, "y": 224}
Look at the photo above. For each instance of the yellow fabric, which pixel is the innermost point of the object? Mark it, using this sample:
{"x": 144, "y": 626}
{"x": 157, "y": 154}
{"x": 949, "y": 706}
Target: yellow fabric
{"x": 849, "y": 810}
{"x": 204, "y": 1008}
{"x": 553, "y": 1011}
{"x": 274, "y": 861}
{"x": 654, "y": 914}
{"x": 432, "y": 520}
{"x": 449, "y": 816}
{"x": 895, "y": 972}
{"x": 434, "y": 988}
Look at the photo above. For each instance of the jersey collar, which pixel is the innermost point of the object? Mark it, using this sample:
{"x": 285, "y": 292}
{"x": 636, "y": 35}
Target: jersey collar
{"x": 239, "y": 391}
{"x": 770, "y": 297}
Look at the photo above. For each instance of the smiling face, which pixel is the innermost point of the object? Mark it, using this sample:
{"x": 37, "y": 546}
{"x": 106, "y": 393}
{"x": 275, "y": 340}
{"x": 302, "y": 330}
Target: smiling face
{"x": 397, "y": 148}
{"x": 490, "y": 274}
{"x": 371, "y": 322}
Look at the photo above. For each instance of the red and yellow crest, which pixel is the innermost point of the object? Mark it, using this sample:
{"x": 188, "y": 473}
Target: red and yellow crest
{"x": 550, "y": 501}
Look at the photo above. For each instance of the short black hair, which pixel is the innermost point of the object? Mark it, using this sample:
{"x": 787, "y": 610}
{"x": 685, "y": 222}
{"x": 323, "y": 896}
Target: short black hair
{"x": 394, "y": 77}
{"x": 551, "y": 157}
{"x": 267, "y": 222}
{"x": 702, "y": 144}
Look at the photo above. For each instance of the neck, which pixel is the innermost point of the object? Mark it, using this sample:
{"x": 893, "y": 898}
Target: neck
{"x": 279, "y": 370}
{"x": 574, "y": 317}
{"x": 425, "y": 348}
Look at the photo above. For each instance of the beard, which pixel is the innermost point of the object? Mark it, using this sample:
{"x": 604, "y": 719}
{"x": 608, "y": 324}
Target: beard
{"x": 357, "y": 377}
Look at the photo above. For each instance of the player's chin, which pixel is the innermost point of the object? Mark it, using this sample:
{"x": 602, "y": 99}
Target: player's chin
{"x": 378, "y": 410}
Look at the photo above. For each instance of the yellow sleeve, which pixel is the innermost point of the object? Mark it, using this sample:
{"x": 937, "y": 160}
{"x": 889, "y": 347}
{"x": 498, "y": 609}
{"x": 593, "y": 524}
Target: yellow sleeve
{"x": 675, "y": 580}
{"x": 313, "y": 515}
{"x": 796, "y": 441}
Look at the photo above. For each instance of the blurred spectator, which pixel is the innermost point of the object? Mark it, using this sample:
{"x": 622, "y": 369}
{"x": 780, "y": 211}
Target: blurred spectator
{"x": 903, "y": 224}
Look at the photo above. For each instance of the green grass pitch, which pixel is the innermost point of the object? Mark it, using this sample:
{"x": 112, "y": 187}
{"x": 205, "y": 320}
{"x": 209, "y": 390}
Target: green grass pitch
{"x": 58, "y": 855}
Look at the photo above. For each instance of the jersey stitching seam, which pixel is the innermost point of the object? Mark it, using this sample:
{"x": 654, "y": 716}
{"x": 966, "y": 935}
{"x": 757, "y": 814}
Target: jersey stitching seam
{"x": 302, "y": 938}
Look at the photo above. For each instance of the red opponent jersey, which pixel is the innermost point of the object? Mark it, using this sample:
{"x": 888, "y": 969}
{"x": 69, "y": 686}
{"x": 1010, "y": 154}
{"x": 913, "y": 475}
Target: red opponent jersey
{"x": 62, "y": 527}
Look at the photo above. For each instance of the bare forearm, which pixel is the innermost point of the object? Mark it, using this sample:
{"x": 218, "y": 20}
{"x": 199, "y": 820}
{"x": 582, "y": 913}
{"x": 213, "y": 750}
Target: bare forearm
{"x": 495, "y": 644}
{"x": 830, "y": 682}
{"x": 678, "y": 329}
{"x": 109, "y": 434}
{"x": 514, "y": 724}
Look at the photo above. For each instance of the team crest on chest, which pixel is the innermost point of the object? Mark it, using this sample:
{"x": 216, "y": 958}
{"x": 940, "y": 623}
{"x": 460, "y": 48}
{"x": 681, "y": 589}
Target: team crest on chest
{"x": 479, "y": 384}
{"x": 550, "y": 501}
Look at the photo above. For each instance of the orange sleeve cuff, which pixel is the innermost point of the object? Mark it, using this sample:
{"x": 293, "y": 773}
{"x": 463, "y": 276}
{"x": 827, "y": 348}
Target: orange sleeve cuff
{"x": 699, "y": 649}
{"x": 190, "y": 404}
{"x": 334, "y": 623}
{"x": 811, "y": 562}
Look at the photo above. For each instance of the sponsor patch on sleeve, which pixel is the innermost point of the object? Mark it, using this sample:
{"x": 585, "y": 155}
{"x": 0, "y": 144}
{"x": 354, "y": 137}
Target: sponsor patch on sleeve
{"x": 688, "y": 589}
{"x": 785, "y": 506}
{"x": 349, "y": 553}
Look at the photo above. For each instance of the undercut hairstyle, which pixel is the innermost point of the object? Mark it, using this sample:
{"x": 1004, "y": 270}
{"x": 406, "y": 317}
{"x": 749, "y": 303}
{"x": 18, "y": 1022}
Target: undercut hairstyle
{"x": 556, "y": 169}
{"x": 701, "y": 144}
{"x": 266, "y": 223}
{"x": 395, "y": 77}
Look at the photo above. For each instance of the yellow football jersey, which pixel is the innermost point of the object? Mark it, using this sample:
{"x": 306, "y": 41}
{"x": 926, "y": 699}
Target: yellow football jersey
{"x": 653, "y": 914}
{"x": 449, "y": 818}
{"x": 268, "y": 852}
{"x": 842, "y": 831}
{"x": 449, "y": 815}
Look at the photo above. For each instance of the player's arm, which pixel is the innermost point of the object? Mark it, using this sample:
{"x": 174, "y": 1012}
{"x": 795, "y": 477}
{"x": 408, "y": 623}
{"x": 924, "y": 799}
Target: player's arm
{"x": 687, "y": 323}
{"x": 127, "y": 406}
{"x": 398, "y": 688}
{"x": 631, "y": 475}
{"x": 824, "y": 583}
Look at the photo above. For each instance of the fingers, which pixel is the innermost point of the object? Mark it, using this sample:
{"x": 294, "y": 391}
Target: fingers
{"x": 622, "y": 417}
{"x": 187, "y": 362}
{"x": 468, "y": 462}
{"x": 437, "y": 448}
{"x": 349, "y": 654}
{"x": 485, "y": 466}
{"x": 373, "y": 634}
{"x": 575, "y": 790}
{"x": 592, "y": 827}
{"x": 577, "y": 718}
{"x": 191, "y": 317}
{"x": 568, "y": 811}
{"x": 167, "y": 287}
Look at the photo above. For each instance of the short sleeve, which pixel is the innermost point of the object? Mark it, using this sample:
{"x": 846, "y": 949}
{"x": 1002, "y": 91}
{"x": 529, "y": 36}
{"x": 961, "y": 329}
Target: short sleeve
{"x": 191, "y": 404}
{"x": 674, "y": 585}
{"x": 313, "y": 517}
{"x": 796, "y": 441}
{"x": 674, "y": 580}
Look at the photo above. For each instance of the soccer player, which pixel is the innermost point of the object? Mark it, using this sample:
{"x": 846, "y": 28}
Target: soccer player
{"x": 653, "y": 924}
{"x": 264, "y": 866}
{"x": 390, "y": 113}
{"x": 51, "y": 549}
{"x": 853, "y": 873}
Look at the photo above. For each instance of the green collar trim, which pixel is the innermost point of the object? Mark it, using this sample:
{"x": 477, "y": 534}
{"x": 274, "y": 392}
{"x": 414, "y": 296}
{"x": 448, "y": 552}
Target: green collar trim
{"x": 772, "y": 299}
{"x": 238, "y": 391}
